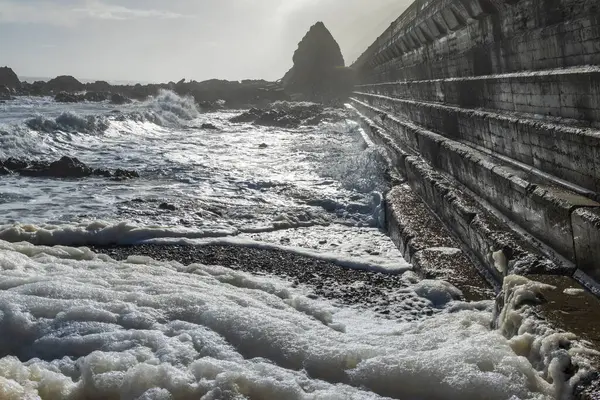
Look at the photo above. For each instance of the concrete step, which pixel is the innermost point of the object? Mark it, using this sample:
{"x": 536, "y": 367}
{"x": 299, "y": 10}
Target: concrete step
{"x": 490, "y": 240}
{"x": 570, "y": 154}
{"x": 545, "y": 211}
{"x": 570, "y": 94}
{"x": 430, "y": 247}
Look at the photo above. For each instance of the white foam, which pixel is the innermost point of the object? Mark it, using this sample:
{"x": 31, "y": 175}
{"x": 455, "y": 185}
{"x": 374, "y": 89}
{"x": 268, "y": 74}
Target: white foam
{"x": 101, "y": 233}
{"x": 550, "y": 351}
{"x": 77, "y": 326}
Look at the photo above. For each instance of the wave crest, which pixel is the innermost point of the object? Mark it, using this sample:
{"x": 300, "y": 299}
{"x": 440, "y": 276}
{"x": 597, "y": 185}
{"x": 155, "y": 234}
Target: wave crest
{"x": 167, "y": 109}
{"x": 70, "y": 122}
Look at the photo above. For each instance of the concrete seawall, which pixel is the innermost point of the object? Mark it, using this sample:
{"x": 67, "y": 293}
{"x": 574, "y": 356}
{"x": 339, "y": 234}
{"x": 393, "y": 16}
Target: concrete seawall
{"x": 489, "y": 114}
{"x": 500, "y": 100}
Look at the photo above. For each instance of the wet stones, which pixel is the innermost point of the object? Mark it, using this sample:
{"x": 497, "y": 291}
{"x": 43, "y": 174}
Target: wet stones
{"x": 209, "y": 126}
{"x": 65, "y": 168}
{"x": 167, "y": 207}
{"x": 387, "y": 295}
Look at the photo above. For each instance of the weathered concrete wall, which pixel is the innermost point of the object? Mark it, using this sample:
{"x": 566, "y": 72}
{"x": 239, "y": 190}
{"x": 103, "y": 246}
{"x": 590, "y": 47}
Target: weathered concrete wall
{"x": 499, "y": 99}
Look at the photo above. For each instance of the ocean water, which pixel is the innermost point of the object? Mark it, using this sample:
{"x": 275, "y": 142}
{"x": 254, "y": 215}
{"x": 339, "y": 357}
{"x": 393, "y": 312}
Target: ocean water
{"x": 77, "y": 325}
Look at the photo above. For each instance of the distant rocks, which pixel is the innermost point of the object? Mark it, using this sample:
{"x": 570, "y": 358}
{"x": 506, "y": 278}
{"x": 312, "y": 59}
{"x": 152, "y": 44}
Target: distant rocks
{"x": 209, "y": 126}
{"x": 167, "y": 207}
{"x": 96, "y": 97}
{"x": 319, "y": 72}
{"x": 65, "y": 97}
{"x": 289, "y": 115}
{"x": 66, "y": 167}
{"x": 119, "y": 99}
{"x": 267, "y": 118}
{"x": 98, "y": 86}
{"x": 64, "y": 83}
{"x": 210, "y": 95}
{"x": 9, "y": 79}
{"x": 92, "y": 97}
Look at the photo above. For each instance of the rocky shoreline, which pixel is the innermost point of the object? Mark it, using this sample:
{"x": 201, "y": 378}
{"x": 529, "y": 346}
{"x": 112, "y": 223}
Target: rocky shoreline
{"x": 387, "y": 295}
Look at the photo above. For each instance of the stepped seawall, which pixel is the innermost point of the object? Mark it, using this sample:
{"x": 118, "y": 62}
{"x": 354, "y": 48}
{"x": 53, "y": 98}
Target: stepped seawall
{"x": 489, "y": 114}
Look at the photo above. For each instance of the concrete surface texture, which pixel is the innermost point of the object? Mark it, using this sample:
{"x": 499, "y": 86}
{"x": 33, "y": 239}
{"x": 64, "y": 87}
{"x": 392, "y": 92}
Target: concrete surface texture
{"x": 497, "y": 101}
{"x": 489, "y": 115}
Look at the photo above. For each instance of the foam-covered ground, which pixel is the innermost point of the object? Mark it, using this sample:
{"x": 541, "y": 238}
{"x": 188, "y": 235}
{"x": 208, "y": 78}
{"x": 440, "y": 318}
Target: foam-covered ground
{"x": 76, "y": 325}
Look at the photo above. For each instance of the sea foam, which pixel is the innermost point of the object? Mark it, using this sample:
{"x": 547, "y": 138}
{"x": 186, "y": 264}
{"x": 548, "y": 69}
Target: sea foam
{"x": 80, "y": 326}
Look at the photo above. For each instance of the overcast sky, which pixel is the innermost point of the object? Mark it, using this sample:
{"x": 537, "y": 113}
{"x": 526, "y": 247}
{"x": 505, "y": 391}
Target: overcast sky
{"x": 163, "y": 40}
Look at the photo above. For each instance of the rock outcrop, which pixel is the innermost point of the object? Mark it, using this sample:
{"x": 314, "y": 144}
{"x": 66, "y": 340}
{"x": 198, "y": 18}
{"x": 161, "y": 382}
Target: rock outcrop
{"x": 119, "y": 99}
{"x": 289, "y": 115}
{"x": 66, "y": 167}
{"x": 64, "y": 83}
{"x": 65, "y": 97}
{"x": 319, "y": 71}
{"x": 9, "y": 79}
{"x": 5, "y": 93}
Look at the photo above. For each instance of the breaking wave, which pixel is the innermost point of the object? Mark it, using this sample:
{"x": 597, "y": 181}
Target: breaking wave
{"x": 45, "y": 134}
{"x": 167, "y": 109}
{"x": 69, "y": 122}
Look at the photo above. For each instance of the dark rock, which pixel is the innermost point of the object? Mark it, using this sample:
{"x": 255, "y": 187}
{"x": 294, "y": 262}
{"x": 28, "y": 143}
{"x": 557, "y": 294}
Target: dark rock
{"x": 14, "y": 164}
{"x": 248, "y": 116}
{"x": 102, "y": 172}
{"x": 208, "y": 105}
{"x": 5, "y": 171}
{"x": 209, "y": 126}
{"x": 319, "y": 71}
{"x": 123, "y": 174}
{"x": 36, "y": 88}
{"x": 167, "y": 207}
{"x": 267, "y": 118}
{"x": 289, "y": 115}
{"x": 98, "y": 86}
{"x": 5, "y": 93}
{"x": 66, "y": 167}
{"x": 64, "y": 97}
{"x": 64, "y": 83}
{"x": 96, "y": 97}
{"x": 9, "y": 79}
{"x": 119, "y": 99}
{"x": 263, "y": 146}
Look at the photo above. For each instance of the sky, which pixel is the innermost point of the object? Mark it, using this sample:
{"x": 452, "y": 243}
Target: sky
{"x": 167, "y": 40}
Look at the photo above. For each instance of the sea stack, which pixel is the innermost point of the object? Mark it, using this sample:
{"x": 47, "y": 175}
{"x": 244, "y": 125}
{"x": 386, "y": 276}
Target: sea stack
{"x": 319, "y": 72}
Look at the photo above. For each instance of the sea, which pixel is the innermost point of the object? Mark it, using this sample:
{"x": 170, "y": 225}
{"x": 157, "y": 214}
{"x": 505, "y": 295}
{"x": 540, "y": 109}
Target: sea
{"x": 79, "y": 325}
